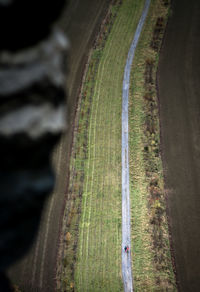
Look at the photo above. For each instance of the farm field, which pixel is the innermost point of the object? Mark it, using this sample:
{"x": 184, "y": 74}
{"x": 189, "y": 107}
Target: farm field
{"x": 91, "y": 252}
{"x": 179, "y": 81}
{"x": 37, "y": 270}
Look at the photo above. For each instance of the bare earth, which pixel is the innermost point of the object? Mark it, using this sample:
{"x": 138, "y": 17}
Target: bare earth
{"x": 179, "y": 93}
{"x": 36, "y": 272}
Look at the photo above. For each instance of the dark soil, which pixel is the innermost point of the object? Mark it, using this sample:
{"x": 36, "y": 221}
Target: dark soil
{"x": 179, "y": 87}
{"x": 37, "y": 271}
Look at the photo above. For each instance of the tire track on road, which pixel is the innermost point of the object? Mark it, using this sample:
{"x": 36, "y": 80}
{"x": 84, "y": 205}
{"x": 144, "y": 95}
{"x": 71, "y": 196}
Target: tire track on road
{"x": 126, "y": 225}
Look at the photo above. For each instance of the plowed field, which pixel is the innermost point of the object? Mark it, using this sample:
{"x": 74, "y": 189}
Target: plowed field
{"x": 36, "y": 272}
{"x": 179, "y": 87}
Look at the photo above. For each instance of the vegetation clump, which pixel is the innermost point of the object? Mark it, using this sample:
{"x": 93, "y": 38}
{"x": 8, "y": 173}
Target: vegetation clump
{"x": 147, "y": 184}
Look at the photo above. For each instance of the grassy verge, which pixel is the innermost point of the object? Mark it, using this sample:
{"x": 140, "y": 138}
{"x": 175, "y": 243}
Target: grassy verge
{"x": 92, "y": 237}
{"x": 152, "y": 263}
{"x": 91, "y": 252}
{"x": 98, "y": 265}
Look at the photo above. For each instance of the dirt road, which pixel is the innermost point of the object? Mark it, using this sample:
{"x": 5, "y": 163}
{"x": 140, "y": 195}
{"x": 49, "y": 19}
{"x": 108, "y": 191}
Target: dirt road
{"x": 126, "y": 225}
{"x": 179, "y": 87}
{"x": 36, "y": 272}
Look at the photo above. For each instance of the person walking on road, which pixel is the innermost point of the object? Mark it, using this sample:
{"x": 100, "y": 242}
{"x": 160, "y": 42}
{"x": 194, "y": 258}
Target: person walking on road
{"x": 126, "y": 248}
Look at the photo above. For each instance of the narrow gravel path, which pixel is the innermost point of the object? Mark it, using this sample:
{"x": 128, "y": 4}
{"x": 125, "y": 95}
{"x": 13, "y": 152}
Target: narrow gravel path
{"x": 126, "y": 234}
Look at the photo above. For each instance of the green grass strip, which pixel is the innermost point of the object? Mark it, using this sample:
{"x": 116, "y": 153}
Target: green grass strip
{"x": 98, "y": 265}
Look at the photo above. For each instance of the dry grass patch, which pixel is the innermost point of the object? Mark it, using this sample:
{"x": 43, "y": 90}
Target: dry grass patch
{"x": 152, "y": 263}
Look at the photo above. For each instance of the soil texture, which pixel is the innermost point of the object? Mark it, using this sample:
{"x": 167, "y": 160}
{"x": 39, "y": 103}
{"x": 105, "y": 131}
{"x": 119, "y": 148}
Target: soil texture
{"x": 179, "y": 87}
{"x": 37, "y": 271}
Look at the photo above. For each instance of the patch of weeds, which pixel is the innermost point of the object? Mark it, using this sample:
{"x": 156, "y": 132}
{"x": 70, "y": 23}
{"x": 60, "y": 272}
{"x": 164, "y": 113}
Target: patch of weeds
{"x": 153, "y": 165}
{"x": 146, "y": 165}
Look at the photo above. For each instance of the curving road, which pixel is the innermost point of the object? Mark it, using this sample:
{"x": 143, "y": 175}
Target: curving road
{"x": 126, "y": 224}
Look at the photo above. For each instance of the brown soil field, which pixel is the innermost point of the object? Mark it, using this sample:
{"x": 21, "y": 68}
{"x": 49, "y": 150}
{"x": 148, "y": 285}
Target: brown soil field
{"x": 37, "y": 270}
{"x": 179, "y": 87}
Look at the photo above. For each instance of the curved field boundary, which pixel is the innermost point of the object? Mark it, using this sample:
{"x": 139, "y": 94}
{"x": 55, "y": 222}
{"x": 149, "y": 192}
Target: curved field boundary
{"x": 126, "y": 234}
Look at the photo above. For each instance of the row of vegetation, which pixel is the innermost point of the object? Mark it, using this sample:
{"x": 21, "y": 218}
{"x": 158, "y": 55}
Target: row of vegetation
{"x": 91, "y": 239}
{"x": 79, "y": 162}
{"x": 152, "y": 263}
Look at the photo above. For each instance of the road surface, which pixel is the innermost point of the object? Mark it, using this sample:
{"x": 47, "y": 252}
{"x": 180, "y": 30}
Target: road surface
{"x": 126, "y": 225}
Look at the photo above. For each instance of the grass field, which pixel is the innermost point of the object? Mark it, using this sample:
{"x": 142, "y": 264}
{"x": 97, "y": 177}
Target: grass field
{"x": 92, "y": 233}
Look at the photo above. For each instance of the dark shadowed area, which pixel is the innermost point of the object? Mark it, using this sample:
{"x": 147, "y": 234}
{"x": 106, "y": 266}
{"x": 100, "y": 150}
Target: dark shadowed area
{"x": 37, "y": 270}
{"x": 179, "y": 87}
